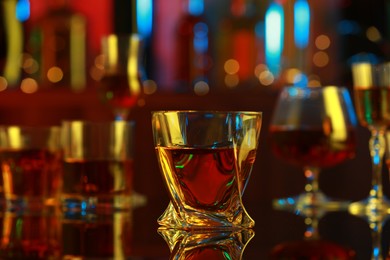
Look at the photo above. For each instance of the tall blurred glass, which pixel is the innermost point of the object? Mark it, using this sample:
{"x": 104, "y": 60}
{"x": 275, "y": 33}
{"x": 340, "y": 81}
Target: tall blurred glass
{"x": 372, "y": 101}
{"x": 98, "y": 166}
{"x": 30, "y": 160}
{"x": 206, "y": 159}
{"x": 121, "y": 82}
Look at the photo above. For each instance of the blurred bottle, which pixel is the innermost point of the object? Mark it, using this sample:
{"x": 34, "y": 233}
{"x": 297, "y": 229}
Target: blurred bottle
{"x": 58, "y": 43}
{"x": 238, "y": 47}
{"x": 193, "y": 58}
{"x": 11, "y": 44}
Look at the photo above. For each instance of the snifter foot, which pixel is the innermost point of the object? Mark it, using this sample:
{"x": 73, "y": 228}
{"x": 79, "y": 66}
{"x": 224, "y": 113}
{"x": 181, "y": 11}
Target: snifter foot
{"x": 310, "y": 200}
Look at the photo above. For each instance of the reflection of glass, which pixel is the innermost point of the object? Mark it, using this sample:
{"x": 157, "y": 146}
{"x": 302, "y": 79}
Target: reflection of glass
{"x": 30, "y": 236}
{"x": 98, "y": 237}
{"x": 312, "y": 246}
{"x": 98, "y": 166}
{"x": 30, "y": 160}
{"x": 206, "y": 159}
{"x": 120, "y": 85}
{"x": 203, "y": 245}
{"x": 372, "y": 93}
{"x": 313, "y": 128}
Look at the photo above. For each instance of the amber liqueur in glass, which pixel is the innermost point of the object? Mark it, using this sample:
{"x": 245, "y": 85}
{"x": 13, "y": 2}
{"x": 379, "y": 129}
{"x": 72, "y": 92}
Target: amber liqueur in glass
{"x": 205, "y": 178}
{"x": 101, "y": 178}
{"x": 120, "y": 91}
{"x": 26, "y": 171}
{"x": 373, "y": 105}
{"x": 311, "y": 146}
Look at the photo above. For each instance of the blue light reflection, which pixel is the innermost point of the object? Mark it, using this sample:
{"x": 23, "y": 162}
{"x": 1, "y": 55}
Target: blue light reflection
{"x": 23, "y": 10}
{"x": 196, "y": 7}
{"x": 301, "y": 23}
{"x": 144, "y": 17}
{"x": 274, "y": 37}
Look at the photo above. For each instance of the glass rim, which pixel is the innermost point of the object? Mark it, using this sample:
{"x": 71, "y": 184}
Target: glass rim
{"x": 98, "y": 123}
{"x": 31, "y": 127}
{"x": 316, "y": 87}
{"x": 208, "y": 112}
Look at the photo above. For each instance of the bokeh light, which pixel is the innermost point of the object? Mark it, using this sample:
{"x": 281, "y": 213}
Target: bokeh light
{"x": 231, "y": 81}
{"x": 266, "y": 78}
{"x": 201, "y": 88}
{"x": 3, "y": 83}
{"x": 231, "y": 66}
{"x": 29, "y": 64}
{"x": 373, "y": 34}
{"x": 322, "y": 42}
{"x": 29, "y": 85}
{"x": 150, "y": 86}
{"x": 55, "y": 74}
{"x": 321, "y": 59}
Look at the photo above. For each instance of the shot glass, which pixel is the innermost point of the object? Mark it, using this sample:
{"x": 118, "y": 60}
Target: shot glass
{"x": 31, "y": 168}
{"x": 206, "y": 159}
{"x": 98, "y": 166}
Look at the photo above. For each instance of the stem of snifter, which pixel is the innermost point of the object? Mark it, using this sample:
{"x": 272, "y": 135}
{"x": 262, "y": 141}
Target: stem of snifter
{"x": 314, "y": 196}
{"x": 311, "y": 174}
{"x": 311, "y": 232}
{"x": 377, "y": 150}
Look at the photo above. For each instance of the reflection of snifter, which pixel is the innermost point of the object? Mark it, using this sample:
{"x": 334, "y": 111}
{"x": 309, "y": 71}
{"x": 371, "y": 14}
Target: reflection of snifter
{"x": 206, "y": 245}
{"x": 312, "y": 246}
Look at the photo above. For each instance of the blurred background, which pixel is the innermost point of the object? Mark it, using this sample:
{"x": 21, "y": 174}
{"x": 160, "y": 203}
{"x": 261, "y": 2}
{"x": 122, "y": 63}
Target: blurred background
{"x": 197, "y": 54}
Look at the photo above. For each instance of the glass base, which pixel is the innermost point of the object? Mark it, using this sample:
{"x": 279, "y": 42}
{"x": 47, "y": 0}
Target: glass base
{"x": 102, "y": 205}
{"x": 310, "y": 200}
{"x": 205, "y": 220}
{"x": 25, "y": 204}
{"x": 372, "y": 207}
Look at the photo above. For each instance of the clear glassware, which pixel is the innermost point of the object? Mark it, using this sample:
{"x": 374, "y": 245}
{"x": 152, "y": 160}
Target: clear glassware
{"x": 313, "y": 128}
{"x": 206, "y": 245}
{"x": 121, "y": 82}
{"x": 31, "y": 166}
{"x": 97, "y": 166}
{"x": 206, "y": 158}
{"x": 372, "y": 101}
